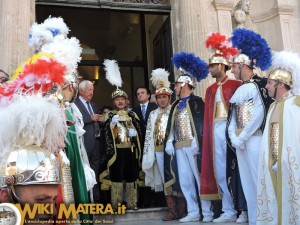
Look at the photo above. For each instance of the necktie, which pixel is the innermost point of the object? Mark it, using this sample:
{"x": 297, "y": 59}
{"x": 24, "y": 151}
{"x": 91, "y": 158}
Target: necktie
{"x": 89, "y": 108}
{"x": 96, "y": 125}
{"x": 144, "y": 111}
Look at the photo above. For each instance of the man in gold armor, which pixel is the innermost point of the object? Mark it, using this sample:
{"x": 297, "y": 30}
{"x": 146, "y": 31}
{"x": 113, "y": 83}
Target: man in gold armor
{"x": 214, "y": 151}
{"x": 121, "y": 161}
{"x": 153, "y": 156}
{"x": 278, "y": 176}
{"x": 248, "y": 108}
{"x": 184, "y": 134}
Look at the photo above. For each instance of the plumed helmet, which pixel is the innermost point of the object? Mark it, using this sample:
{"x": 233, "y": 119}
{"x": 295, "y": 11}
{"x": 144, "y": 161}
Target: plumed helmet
{"x": 286, "y": 69}
{"x": 282, "y": 76}
{"x": 113, "y": 75}
{"x": 218, "y": 58}
{"x": 192, "y": 68}
{"x": 186, "y": 78}
{"x": 160, "y": 81}
{"x": 221, "y": 48}
{"x": 243, "y": 59}
{"x": 37, "y": 130}
{"x": 254, "y": 49}
{"x": 119, "y": 93}
{"x": 29, "y": 165}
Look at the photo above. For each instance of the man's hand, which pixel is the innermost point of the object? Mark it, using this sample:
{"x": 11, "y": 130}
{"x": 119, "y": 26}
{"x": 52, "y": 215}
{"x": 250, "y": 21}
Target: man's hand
{"x": 275, "y": 167}
{"x": 115, "y": 120}
{"x": 237, "y": 143}
{"x": 101, "y": 118}
{"x": 195, "y": 147}
{"x": 95, "y": 117}
{"x": 170, "y": 148}
{"x": 132, "y": 132}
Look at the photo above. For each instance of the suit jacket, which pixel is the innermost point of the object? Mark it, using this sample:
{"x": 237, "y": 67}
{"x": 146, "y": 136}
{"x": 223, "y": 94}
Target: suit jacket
{"x": 89, "y": 136}
{"x": 138, "y": 111}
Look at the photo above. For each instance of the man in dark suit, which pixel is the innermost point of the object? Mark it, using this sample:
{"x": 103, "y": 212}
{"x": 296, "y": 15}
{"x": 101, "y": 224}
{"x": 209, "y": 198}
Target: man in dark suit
{"x": 91, "y": 120}
{"x": 143, "y": 94}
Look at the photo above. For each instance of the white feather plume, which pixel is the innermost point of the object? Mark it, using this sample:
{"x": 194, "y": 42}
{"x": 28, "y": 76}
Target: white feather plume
{"x": 44, "y": 33}
{"x": 160, "y": 78}
{"x": 32, "y": 120}
{"x": 66, "y": 51}
{"x": 56, "y": 23}
{"x": 112, "y": 72}
{"x": 38, "y": 36}
{"x": 289, "y": 61}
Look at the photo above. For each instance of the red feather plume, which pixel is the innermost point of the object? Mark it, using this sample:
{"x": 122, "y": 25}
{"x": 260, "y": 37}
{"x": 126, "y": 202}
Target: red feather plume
{"x": 219, "y": 42}
{"x": 39, "y": 76}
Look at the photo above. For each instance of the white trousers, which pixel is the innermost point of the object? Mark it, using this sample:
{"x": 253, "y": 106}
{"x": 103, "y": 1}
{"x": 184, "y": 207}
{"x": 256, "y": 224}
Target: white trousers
{"x": 248, "y": 166}
{"x": 220, "y": 167}
{"x": 188, "y": 173}
{"x": 160, "y": 163}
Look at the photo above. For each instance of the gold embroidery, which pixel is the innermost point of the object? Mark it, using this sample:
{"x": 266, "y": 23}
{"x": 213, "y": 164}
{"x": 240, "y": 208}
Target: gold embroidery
{"x": 294, "y": 188}
{"x": 263, "y": 214}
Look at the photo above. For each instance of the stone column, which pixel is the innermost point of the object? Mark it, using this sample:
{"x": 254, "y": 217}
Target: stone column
{"x": 276, "y": 22}
{"x": 16, "y": 18}
{"x": 285, "y": 13}
{"x": 224, "y": 8}
{"x": 190, "y": 27}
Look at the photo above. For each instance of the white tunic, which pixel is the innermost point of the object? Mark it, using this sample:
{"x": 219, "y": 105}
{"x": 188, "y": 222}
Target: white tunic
{"x": 284, "y": 208}
{"x": 153, "y": 162}
{"x": 247, "y": 144}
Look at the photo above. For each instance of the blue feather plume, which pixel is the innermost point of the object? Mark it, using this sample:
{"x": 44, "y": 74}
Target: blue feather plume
{"x": 54, "y": 31}
{"x": 254, "y": 46}
{"x": 192, "y": 64}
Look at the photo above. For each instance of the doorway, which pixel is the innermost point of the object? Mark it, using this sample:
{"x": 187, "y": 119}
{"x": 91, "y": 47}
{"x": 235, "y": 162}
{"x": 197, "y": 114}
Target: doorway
{"x": 130, "y": 37}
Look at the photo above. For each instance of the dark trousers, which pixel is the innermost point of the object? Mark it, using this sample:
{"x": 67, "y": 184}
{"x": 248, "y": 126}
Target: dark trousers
{"x": 94, "y": 160}
{"x": 125, "y": 168}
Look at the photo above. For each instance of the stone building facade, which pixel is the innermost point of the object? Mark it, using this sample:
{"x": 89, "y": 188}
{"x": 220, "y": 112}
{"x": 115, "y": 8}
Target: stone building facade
{"x": 191, "y": 21}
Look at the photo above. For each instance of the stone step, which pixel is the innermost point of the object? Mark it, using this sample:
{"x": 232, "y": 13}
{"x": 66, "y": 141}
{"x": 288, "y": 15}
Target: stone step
{"x": 140, "y": 214}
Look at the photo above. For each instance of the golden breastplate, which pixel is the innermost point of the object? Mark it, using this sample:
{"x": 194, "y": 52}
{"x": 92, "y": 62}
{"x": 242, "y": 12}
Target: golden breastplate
{"x": 220, "y": 112}
{"x": 244, "y": 113}
{"x": 274, "y": 141}
{"x": 121, "y": 136}
{"x": 183, "y": 129}
{"x": 160, "y": 130}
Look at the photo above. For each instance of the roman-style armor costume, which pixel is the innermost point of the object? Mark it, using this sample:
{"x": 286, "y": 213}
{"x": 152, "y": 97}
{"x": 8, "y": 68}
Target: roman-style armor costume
{"x": 185, "y": 132}
{"x": 279, "y": 160}
{"x": 121, "y": 160}
{"x": 216, "y": 110}
{"x": 153, "y": 158}
{"x": 214, "y": 153}
{"x": 184, "y": 136}
{"x": 249, "y": 105}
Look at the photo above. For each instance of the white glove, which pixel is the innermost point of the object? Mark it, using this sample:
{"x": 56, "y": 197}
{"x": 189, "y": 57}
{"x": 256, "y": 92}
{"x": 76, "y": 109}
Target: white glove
{"x": 275, "y": 167}
{"x": 114, "y": 120}
{"x": 132, "y": 132}
{"x": 237, "y": 143}
{"x": 195, "y": 147}
{"x": 170, "y": 148}
{"x": 90, "y": 177}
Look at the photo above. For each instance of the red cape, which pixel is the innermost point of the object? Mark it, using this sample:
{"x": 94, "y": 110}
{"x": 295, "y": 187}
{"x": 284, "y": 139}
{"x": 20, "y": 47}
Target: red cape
{"x": 209, "y": 189}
